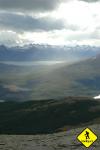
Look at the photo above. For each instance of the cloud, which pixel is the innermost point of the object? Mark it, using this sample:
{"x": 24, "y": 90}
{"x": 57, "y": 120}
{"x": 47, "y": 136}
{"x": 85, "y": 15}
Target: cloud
{"x": 22, "y": 23}
{"x": 49, "y": 21}
{"x": 62, "y": 37}
{"x": 9, "y": 38}
{"x": 29, "y": 5}
{"x": 14, "y": 88}
{"x": 90, "y": 1}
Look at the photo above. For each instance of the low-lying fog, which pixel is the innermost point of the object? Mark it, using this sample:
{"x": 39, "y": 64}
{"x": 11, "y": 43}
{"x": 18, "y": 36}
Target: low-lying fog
{"x": 32, "y": 63}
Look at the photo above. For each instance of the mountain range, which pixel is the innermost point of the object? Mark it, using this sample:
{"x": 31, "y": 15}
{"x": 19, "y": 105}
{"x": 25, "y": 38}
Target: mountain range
{"x": 42, "y": 98}
{"x": 46, "y": 52}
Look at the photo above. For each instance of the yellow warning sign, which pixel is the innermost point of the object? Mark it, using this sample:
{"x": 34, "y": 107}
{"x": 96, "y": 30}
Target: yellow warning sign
{"x": 87, "y": 137}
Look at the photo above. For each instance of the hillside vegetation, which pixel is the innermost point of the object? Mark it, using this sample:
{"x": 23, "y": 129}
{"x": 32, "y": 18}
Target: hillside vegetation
{"x": 48, "y": 116}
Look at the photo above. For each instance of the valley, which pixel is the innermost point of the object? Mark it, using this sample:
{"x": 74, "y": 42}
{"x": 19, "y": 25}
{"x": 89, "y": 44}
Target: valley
{"x": 47, "y": 80}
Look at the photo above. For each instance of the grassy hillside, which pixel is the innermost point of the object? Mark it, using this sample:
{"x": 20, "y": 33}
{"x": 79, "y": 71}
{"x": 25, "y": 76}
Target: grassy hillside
{"x": 48, "y": 116}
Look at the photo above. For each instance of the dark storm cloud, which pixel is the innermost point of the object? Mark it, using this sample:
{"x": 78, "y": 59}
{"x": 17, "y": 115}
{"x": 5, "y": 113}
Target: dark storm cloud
{"x": 29, "y": 5}
{"x": 22, "y": 23}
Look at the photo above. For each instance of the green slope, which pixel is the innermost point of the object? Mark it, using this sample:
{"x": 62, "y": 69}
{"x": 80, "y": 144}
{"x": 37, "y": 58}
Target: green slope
{"x": 48, "y": 116}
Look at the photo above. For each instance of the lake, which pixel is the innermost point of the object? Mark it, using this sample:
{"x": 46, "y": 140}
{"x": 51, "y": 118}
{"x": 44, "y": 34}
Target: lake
{"x": 31, "y": 63}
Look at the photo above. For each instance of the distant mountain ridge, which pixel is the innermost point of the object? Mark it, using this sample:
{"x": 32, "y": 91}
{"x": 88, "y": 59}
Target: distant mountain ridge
{"x": 49, "y": 81}
{"x": 35, "y": 52}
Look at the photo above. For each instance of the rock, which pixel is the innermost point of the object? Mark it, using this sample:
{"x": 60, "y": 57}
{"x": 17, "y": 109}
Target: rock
{"x": 66, "y": 140}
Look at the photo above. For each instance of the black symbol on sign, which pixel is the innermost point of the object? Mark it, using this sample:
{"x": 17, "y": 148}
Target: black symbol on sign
{"x": 87, "y": 135}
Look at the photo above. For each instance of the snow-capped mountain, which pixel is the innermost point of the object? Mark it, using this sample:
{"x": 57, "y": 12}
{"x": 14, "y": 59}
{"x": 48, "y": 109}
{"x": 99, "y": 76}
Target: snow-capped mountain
{"x": 47, "y": 52}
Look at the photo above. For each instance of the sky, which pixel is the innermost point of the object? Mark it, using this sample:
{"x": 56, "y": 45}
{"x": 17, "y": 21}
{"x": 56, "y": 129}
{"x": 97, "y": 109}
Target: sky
{"x": 54, "y": 22}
